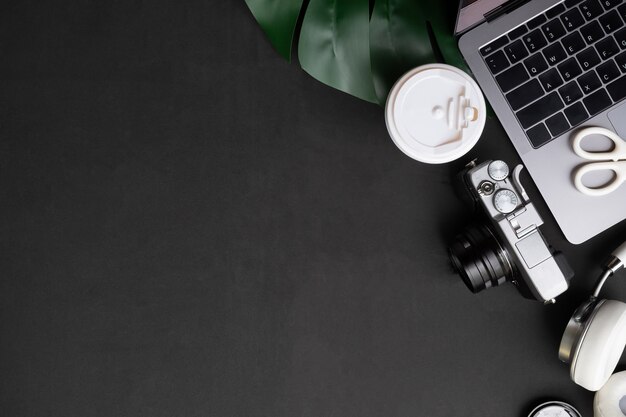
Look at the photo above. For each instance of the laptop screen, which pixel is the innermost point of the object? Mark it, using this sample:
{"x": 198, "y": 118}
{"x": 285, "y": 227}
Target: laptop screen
{"x": 472, "y": 12}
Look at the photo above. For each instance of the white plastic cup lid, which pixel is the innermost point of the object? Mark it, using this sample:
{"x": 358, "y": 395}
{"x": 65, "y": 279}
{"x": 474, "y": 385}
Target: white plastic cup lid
{"x": 435, "y": 113}
{"x": 554, "y": 409}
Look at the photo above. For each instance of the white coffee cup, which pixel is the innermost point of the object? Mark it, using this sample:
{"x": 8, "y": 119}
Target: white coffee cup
{"x": 435, "y": 113}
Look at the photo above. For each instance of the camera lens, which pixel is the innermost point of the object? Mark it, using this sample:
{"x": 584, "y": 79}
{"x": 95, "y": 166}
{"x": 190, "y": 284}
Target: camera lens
{"x": 480, "y": 259}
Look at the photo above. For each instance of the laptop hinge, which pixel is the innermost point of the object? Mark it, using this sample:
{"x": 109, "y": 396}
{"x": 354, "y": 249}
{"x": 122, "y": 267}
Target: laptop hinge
{"x": 503, "y": 9}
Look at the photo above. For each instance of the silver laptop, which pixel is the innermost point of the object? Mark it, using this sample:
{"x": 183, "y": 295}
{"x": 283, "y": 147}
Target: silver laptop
{"x": 550, "y": 68}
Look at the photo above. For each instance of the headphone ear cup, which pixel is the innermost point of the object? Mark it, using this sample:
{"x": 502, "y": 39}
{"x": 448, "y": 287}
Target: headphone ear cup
{"x": 601, "y": 346}
{"x": 610, "y": 401}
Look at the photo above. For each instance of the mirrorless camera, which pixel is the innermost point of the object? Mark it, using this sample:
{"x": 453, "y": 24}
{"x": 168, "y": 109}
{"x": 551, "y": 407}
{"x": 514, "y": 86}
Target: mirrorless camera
{"x": 504, "y": 243}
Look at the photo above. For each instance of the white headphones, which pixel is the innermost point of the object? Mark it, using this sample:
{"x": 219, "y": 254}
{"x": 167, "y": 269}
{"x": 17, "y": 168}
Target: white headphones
{"x": 593, "y": 342}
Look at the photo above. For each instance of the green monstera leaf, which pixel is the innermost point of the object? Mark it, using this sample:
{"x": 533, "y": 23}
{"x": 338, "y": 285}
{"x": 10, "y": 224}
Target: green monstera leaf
{"x": 278, "y": 20}
{"x": 408, "y": 33}
{"x": 342, "y": 46}
{"x": 334, "y": 46}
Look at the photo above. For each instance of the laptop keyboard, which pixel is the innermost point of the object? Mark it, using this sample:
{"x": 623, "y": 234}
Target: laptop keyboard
{"x": 562, "y": 66}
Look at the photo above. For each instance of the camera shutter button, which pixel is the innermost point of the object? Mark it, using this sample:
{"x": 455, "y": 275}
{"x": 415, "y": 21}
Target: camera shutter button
{"x": 498, "y": 170}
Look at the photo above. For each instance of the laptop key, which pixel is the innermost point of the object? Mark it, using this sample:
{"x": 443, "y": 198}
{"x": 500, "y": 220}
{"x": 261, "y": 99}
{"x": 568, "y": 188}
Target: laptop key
{"x": 554, "y": 53}
{"x": 517, "y": 32}
{"x": 535, "y": 40}
{"x": 524, "y": 94}
{"x": 492, "y": 46}
{"x": 576, "y": 113}
{"x": 512, "y": 77}
{"x": 497, "y": 62}
{"x": 536, "y": 21}
{"x": 608, "y": 71}
{"x": 620, "y": 37}
{"x": 611, "y": 21}
{"x": 597, "y": 102}
{"x": 557, "y": 124}
{"x": 555, "y": 11}
{"x": 569, "y": 69}
{"x": 617, "y": 89}
{"x": 573, "y": 43}
{"x": 572, "y": 19}
{"x": 539, "y": 110}
{"x": 589, "y": 82}
{"x": 570, "y": 92}
{"x": 621, "y": 61}
{"x": 622, "y": 11}
{"x": 591, "y": 9}
{"x": 609, "y": 4}
{"x": 538, "y": 135}
{"x": 553, "y": 30}
{"x": 607, "y": 48}
{"x": 535, "y": 64}
{"x": 592, "y": 32}
{"x": 550, "y": 80}
{"x": 516, "y": 51}
{"x": 588, "y": 58}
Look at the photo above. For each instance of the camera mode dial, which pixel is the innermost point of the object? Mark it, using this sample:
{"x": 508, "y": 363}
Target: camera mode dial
{"x": 505, "y": 201}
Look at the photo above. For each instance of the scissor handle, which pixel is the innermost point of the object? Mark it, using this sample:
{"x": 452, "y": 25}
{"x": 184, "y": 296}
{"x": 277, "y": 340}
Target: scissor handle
{"x": 620, "y": 176}
{"x": 617, "y": 153}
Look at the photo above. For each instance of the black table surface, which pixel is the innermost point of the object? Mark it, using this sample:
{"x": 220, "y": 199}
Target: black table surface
{"x": 192, "y": 226}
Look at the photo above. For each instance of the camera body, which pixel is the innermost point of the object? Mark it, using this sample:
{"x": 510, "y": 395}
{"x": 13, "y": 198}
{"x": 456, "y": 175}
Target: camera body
{"x": 505, "y": 243}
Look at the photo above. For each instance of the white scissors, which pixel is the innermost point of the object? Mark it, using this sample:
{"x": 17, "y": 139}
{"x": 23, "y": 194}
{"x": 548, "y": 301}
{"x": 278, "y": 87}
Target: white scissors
{"x": 613, "y": 160}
